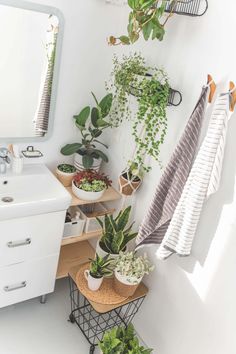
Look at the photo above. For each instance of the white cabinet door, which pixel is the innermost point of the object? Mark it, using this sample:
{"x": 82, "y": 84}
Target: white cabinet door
{"x": 26, "y": 280}
{"x": 28, "y": 238}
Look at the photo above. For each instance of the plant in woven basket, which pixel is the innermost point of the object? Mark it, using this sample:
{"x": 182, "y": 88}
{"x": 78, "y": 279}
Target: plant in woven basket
{"x": 122, "y": 340}
{"x": 90, "y": 130}
{"x": 132, "y": 267}
{"x": 91, "y": 181}
{"x": 131, "y": 76}
{"x": 147, "y": 17}
{"x": 100, "y": 267}
{"x": 115, "y": 232}
{"x": 66, "y": 168}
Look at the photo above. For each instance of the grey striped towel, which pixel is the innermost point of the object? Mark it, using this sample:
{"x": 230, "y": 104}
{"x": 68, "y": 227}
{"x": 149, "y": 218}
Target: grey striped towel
{"x": 203, "y": 180}
{"x": 169, "y": 190}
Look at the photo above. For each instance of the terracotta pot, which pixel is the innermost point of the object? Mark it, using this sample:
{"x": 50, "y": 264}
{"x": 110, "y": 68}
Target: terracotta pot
{"x": 128, "y": 187}
{"x": 65, "y": 178}
{"x": 93, "y": 283}
{"x": 83, "y": 195}
{"x": 123, "y": 287}
{"x": 78, "y": 163}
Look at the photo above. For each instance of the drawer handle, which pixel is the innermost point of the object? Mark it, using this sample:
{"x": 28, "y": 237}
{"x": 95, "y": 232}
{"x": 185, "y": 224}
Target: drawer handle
{"x": 14, "y": 244}
{"x": 15, "y": 286}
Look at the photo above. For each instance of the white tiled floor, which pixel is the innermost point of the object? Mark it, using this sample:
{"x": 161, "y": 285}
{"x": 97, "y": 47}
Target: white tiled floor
{"x": 33, "y": 328}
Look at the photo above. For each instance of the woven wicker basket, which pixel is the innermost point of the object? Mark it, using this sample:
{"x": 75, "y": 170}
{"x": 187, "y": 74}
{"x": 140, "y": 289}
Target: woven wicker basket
{"x": 128, "y": 187}
{"x": 124, "y": 289}
{"x": 65, "y": 178}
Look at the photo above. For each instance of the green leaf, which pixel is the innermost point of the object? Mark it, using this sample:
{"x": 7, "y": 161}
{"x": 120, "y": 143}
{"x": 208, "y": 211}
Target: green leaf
{"x": 87, "y": 161}
{"x": 102, "y": 123}
{"x": 70, "y": 149}
{"x": 94, "y": 116}
{"x": 105, "y": 104}
{"x": 100, "y": 222}
{"x": 95, "y": 133}
{"x": 147, "y": 29}
{"x": 97, "y": 141}
{"x": 82, "y": 117}
{"x": 132, "y": 4}
{"x": 124, "y": 40}
{"x": 123, "y": 218}
{"x": 117, "y": 242}
{"x": 101, "y": 154}
{"x": 134, "y": 36}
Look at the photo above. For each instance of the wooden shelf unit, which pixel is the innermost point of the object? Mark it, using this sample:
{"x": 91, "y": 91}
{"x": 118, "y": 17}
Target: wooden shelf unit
{"x": 73, "y": 255}
{"x": 77, "y": 249}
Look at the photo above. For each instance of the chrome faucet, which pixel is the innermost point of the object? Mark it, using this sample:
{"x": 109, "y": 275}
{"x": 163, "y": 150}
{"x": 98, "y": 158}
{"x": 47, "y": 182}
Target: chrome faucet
{"x": 4, "y": 160}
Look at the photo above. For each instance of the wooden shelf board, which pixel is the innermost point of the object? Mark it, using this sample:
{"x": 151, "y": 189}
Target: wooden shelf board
{"x": 85, "y": 236}
{"x": 141, "y": 291}
{"x": 73, "y": 255}
{"x": 109, "y": 195}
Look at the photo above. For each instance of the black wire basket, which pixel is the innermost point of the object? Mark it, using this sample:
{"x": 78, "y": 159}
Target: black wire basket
{"x": 194, "y": 8}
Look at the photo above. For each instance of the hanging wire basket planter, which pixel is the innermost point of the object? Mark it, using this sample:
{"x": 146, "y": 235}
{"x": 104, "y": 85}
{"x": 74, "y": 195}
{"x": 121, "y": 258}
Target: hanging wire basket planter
{"x": 194, "y": 8}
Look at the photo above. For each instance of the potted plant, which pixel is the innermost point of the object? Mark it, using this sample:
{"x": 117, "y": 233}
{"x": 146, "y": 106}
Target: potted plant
{"x": 150, "y": 87}
{"x": 65, "y": 173}
{"x": 90, "y": 185}
{"x": 99, "y": 269}
{"x": 130, "y": 179}
{"x": 122, "y": 340}
{"x": 115, "y": 233}
{"x": 147, "y": 18}
{"x": 91, "y": 123}
{"x": 129, "y": 271}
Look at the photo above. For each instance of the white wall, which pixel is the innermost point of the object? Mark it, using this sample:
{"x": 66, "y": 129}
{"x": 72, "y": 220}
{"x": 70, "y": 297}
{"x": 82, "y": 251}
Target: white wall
{"x": 191, "y": 306}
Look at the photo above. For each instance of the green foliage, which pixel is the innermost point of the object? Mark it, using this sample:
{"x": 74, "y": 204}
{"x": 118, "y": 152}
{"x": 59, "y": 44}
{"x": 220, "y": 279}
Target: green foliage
{"x": 91, "y": 123}
{"x": 132, "y": 266}
{"x": 150, "y": 86}
{"x": 122, "y": 340}
{"x": 91, "y": 181}
{"x": 95, "y": 186}
{"x": 66, "y": 168}
{"x": 147, "y": 17}
{"x": 99, "y": 267}
{"x": 116, "y": 234}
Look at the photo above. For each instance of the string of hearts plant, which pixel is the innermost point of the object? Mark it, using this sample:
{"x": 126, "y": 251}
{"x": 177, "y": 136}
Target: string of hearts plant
{"x": 147, "y": 17}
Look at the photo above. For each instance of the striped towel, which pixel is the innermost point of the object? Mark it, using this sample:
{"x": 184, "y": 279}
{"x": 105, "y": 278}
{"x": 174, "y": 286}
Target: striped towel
{"x": 169, "y": 190}
{"x": 204, "y": 180}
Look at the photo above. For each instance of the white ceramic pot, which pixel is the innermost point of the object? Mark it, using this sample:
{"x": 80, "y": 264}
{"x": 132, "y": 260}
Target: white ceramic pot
{"x": 83, "y": 195}
{"x": 93, "y": 283}
{"x": 78, "y": 163}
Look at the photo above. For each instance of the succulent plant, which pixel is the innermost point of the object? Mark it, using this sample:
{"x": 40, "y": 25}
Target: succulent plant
{"x": 91, "y": 181}
{"x": 99, "y": 267}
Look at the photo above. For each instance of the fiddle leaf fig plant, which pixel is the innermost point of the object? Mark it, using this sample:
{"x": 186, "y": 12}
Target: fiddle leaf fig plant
{"x": 91, "y": 123}
{"x": 147, "y": 17}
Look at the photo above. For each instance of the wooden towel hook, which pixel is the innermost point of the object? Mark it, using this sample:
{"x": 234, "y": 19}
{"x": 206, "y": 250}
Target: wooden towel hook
{"x": 232, "y": 90}
{"x": 212, "y": 85}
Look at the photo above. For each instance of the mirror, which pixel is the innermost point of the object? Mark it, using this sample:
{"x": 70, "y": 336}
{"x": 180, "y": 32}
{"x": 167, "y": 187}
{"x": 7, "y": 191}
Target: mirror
{"x": 30, "y": 45}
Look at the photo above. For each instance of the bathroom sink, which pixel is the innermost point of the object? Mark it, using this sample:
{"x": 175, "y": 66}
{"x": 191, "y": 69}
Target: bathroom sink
{"x": 35, "y": 191}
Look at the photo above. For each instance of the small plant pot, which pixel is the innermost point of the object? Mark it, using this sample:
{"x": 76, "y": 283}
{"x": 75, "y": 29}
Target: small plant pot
{"x": 123, "y": 287}
{"x": 78, "y": 163}
{"x": 128, "y": 187}
{"x": 93, "y": 283}
{"x": 88, "y": 196}
{"x": 65, "y": 178}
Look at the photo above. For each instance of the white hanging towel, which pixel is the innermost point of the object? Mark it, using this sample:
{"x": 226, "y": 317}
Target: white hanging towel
{"x": 203, "y": 180}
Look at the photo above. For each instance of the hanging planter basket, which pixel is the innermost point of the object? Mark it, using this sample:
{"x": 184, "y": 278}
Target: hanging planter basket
{"x": 194, "y": 8}
{"x": 128, "y": 185}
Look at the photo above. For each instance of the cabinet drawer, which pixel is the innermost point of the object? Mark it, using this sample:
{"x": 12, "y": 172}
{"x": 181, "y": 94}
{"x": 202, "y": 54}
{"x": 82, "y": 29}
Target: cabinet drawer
{"x": 29, "y": 238}
{"x": 26, "y": 280}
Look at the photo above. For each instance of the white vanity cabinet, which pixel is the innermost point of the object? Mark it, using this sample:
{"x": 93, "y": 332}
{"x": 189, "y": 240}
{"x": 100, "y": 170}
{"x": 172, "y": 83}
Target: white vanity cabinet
{"x": 29, "y": 253}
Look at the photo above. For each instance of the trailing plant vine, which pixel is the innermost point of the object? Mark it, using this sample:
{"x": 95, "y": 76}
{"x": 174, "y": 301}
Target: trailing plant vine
{"x": 146, "y": 17}
{"x": 131, "y": 76}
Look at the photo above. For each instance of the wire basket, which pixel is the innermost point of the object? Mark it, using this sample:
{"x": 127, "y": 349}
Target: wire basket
{"x": 188, "y": 8}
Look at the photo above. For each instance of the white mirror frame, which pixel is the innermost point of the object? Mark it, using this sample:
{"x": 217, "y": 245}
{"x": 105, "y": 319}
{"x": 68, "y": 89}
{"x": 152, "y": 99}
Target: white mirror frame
{"x": 48, "y": 10}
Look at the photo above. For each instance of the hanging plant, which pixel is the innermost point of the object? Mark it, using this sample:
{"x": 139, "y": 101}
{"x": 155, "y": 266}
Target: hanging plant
{"x": 147, "y": 17}
{"x": 131, "y": 76}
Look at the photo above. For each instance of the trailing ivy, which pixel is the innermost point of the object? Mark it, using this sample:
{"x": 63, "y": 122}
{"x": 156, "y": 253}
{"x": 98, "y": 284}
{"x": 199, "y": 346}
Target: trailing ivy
{"x": 131, "y": 76}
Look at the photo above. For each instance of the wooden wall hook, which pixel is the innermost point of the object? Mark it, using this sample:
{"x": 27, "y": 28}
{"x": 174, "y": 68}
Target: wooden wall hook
{"x": 212, "y": 87}
{"x": 232, "y": 89}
